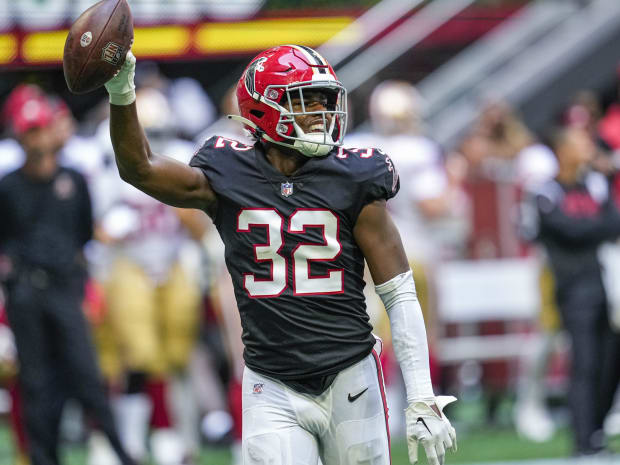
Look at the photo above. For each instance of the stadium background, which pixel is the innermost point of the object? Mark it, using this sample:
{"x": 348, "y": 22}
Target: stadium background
{"x": 534, "y": 54}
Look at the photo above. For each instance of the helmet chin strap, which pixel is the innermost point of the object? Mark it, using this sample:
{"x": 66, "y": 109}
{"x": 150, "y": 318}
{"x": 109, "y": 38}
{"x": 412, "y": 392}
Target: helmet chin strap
{"x": 313, "y": 145}
{"x": 243, "y": 120}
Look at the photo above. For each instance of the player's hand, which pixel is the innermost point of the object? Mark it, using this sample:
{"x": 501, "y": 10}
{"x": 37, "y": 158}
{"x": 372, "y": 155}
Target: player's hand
{"x": 121, "y": 87}
{"x": 427, "y": 424}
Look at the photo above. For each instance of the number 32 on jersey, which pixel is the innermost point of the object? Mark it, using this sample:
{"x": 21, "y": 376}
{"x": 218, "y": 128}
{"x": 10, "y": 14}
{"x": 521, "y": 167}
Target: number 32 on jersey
{"x": 301, "y": 257}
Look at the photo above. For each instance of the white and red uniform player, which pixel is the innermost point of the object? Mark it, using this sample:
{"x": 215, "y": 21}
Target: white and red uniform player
{"x": 153, "y": 299}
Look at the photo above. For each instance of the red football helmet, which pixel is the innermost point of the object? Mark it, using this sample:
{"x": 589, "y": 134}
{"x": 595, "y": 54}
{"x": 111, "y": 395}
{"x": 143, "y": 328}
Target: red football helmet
{"x": 266, "y": 90}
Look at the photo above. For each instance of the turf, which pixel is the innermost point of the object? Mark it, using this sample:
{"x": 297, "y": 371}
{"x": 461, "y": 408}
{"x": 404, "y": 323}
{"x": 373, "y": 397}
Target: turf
{"x": 484, "y": 444}
{"x": 476, "y": 446}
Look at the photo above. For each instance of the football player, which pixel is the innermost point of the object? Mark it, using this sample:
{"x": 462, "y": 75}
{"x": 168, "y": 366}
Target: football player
{"x": 152, "y": 297}
{"x": 298, "y": 214}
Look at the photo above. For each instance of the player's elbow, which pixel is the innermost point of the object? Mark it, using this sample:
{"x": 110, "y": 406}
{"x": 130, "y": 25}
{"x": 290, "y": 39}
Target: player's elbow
{"x": 135, "y": 175}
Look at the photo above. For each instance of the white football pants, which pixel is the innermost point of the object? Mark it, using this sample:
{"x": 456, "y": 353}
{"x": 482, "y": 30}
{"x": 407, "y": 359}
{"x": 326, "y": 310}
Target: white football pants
{"x": 346, "y": 425}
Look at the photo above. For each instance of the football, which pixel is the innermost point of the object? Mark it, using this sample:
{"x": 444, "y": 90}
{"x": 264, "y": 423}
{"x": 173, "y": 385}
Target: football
{"x": 96, "y": 46}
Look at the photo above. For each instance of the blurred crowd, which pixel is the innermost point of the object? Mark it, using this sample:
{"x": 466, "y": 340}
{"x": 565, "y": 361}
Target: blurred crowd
{"x": 160, "y": 305}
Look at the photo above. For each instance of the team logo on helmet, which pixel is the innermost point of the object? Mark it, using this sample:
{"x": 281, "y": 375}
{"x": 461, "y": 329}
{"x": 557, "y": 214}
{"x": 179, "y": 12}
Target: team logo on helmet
{"x": 250, "y": 74}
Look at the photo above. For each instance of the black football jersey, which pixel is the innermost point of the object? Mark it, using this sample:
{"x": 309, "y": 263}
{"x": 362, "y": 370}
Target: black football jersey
{"x": 296, "y": 268}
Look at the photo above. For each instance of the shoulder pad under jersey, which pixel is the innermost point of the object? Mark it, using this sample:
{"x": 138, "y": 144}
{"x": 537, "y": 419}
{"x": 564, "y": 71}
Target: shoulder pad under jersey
{"x": 374, "y": 169}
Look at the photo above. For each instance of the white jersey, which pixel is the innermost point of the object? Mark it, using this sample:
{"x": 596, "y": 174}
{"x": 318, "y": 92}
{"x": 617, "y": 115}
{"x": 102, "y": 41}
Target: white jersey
{"x": 148, "y": 232}
{"x": 224, "y": 127}
{"x": 11, "y": 156}
{"x": 419, "y": 164}
{"x": 534, "y": 165}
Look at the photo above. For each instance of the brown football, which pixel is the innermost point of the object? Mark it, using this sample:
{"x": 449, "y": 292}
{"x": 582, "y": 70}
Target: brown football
{"x": 96, "y": 46}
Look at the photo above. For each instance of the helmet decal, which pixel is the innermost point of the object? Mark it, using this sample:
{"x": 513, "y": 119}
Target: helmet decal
{"x": 318, "y": 63}
{"x": 250, "y": 74}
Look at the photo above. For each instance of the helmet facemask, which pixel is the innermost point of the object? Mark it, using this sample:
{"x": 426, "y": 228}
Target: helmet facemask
{"x": 333, "y": 116}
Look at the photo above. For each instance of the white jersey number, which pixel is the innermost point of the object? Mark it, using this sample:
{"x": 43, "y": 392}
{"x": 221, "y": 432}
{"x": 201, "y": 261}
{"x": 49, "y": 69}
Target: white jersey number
{"x": 302, "y": 256}
{"x": 271, "y": 219}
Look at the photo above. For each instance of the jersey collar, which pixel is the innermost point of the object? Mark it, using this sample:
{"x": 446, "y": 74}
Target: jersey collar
{"x": 307, "y": 171}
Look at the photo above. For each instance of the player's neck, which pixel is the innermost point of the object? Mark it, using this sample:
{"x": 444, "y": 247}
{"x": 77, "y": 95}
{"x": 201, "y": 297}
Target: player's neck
{"x": 286, "y": 162}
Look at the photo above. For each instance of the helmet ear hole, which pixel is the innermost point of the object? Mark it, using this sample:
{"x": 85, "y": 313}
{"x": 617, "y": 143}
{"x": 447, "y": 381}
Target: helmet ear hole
{"x": 257, "y": 113}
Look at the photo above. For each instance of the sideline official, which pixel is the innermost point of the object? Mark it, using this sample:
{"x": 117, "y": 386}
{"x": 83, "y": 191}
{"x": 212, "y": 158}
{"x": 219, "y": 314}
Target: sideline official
{"x": 46, "y": 220}
{"x": 576, "y": 215}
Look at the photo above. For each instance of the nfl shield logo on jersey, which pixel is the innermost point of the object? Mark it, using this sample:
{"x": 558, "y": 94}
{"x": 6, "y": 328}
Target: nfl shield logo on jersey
{"x": 258, "y": 388}
{"x": 286, "y": 189}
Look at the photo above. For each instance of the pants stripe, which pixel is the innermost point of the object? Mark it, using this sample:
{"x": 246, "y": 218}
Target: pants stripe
{"x": 383, "y": 398}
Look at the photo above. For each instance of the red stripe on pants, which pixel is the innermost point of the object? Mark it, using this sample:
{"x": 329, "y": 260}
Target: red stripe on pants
{"x": 383, "y": 398}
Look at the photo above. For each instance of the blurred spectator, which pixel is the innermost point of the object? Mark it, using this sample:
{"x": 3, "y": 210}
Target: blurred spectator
{"x": 585, "y": 112}
{"x": 502, "y": 158}
{"x": 8, "y": 381}
{"x": 11, "y": 155}
{"x": 75, "y": 145}
{"x": 497, "y": 141}
{"x": 536, "y": 165}
{"x": 532, "y": 418}
{"x": 506, "y": 133}
{"x": 609, "y": 125}
{"x": 191, "y": 109}
{"x": 221, "y": 412}
{"x": 432, "y": 208}
{"x": 47, "y": 220}
{"x": 153, "y": 297}
{"x": 11, "y": 152}
{"x": 576, "y": 215}
{"x": 431, "y": 211}
{"x": 224, "y": 126}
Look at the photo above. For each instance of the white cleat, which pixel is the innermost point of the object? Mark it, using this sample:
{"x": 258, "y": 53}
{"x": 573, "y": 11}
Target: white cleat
{"x": 167, "y": 447}
{"x": 533, "y": 422}
{"x": 100, "y": 452}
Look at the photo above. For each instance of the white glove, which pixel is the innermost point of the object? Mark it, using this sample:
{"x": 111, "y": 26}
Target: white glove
{"x": 434, "y": 432}
{"x": 121, "y": 87}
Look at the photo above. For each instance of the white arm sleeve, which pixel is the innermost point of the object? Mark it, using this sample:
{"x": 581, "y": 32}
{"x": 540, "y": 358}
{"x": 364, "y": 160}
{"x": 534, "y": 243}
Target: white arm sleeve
{"x": 408, "y": 334}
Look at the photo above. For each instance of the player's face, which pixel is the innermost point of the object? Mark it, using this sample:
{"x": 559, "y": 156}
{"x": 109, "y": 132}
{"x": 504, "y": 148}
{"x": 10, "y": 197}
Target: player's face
{"x": 314, "y": 101}
{"x": 38, "y": 141}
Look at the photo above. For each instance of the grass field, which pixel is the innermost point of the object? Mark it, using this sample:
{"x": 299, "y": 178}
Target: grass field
{"x": 478, "y": 443}
{"x": 477, "y": 446}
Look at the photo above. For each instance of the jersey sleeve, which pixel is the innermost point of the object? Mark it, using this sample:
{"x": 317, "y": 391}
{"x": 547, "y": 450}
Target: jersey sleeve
{"x": 382, "y": 182}
{"x": 217, "y": 158}
{"x": 204, "y": 159}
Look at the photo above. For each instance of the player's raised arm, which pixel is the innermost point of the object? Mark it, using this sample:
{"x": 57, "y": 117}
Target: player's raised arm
{"x": 380, "y": 242}
{"x": 164, "y": 178}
